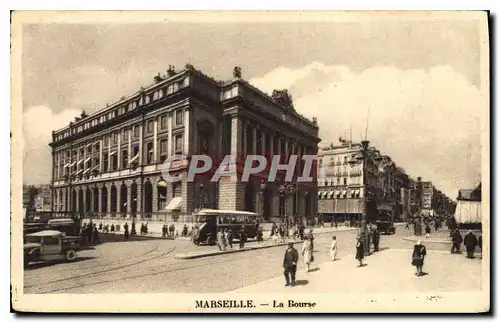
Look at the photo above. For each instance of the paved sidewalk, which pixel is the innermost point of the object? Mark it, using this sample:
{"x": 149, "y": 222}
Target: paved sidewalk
{"x": 386, "y": 271}
{"x": 253, "y": 245}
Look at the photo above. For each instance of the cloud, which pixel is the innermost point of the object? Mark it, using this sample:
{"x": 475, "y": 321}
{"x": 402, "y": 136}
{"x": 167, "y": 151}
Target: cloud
{"x": 428, "y": 121}
{"x": 38, "y": 124}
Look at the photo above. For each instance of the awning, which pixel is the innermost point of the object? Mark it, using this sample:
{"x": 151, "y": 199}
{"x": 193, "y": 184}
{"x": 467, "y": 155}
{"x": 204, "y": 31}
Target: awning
{"x": 79, "y": 162}
{"x": 95, "y": 167}
{"x": 330, "y": 194}
{"x": 344, "y": 193}
{"x": 66, "y": 165}
{"x": 89, "y": 144}
{"x": 175, "y": 204}
{"x": 337, "y": 193}
{"x": 88, "y": 158}
{"x": 133, "y": 159}
{"x": 353, "y": 193}
{"x": 324, "y": 194}
{"x": 86, "y": 171}
{"x": 72, "y": 164}
{"x": 319, "y": 194}
{"x": 112, "y": 153}
{"x": 162, "y": 184}
{"x": 79, "y": 172}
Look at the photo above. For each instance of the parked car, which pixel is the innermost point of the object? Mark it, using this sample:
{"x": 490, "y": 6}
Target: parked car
{"x": 50, "y": 245}
{"x": 386, "y": 227}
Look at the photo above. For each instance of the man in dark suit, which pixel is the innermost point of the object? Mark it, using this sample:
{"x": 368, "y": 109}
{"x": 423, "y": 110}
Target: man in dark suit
{"x": 290, "y": 264}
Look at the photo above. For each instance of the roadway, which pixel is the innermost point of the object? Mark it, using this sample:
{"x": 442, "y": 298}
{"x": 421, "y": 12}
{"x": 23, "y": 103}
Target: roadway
{"x": 149, "y": 266}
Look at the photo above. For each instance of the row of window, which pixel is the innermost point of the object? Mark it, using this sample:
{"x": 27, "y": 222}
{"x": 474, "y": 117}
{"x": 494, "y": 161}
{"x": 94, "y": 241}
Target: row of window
{"x": 342, "y": 181}
{"x": 163, "y": 125}
{"x": 110, "y": 160}
{"x": 132, "y": 105}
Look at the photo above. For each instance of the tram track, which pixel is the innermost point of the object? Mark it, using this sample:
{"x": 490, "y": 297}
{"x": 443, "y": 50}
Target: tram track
{"x": 204, "y": 263}
{"x": 96, "y": 263}
{"x": 103, "y": 271}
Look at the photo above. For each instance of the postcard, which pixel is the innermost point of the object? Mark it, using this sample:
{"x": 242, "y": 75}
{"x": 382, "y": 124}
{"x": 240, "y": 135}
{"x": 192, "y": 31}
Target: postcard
{"x": 250, "y": 162}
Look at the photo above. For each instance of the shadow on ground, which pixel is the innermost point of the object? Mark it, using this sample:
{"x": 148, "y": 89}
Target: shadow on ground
{"x": 39, "y": 265}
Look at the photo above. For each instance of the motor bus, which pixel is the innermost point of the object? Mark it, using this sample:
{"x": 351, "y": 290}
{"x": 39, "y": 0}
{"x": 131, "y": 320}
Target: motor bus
{"x": 209, "y": 222}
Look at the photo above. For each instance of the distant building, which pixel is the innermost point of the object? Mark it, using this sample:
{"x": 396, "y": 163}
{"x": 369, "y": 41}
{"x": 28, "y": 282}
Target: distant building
{"x": 341, "y": 186}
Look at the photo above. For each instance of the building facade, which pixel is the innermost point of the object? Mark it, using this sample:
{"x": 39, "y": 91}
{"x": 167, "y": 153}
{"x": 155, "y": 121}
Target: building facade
{"x": 110, "y": 163}
{"x": 342, "y": 188}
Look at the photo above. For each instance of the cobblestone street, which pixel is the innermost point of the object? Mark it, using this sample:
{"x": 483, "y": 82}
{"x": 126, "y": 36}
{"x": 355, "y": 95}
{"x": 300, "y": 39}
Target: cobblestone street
{"x": 150, "y": 266}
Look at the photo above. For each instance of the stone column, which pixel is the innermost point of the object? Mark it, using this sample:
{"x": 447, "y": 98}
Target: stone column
{"x": 141, "y": 146}
{"x": 92, "y": 199}
{"x": 155, "y": 141}
{"x": 279, "y": 152}
{"x": 99, "y": 201}
{"x": 244, "y": 147}
{"x": 118, "y": 198}
{"x": 129, "y": 146}
{"x": 263, "y": 143}
{"x": 101, "y": 143}
{"x": 77, "y": 198}
{"x": 108, "y": 200}
{"x": 119, "y": 152}
{"x": 129, "y": 197}
{"x": 140, "y": 197}
{"x": 154, "y": 183}
{"x": 236, "y": 136}
{"x": 84, "y": 196}
{"x": 254, "y": 141}
{"x": 187, "y": 145}
{"x": 169, "y": 141}
{"x": 271, "y": 148}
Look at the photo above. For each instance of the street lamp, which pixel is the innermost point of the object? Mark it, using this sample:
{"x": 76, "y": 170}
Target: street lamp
{"x": 261, "y": 196}
{"x": 202, "y": 195}
{"x": 363, "y": 159}
{"x": 285, "y": 190}
{"x": 418, "y": 224}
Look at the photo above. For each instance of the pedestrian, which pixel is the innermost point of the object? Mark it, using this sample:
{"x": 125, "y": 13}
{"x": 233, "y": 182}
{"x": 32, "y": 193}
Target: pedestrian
{"x": 132, "y": 230}
{"x": 376, "y": 239}
{"x": 220, "y": 240}
{"x": 125, "y": 234}
{"x": 307, "y": 253}
{"x": 282, "y": 233}
{"x": 310, "y": 236}
{"x": 95, "y": 235}
{"x": 100, "y": 226}
{"x": 470, "y": 242}
{"x": 259, "y": 235}
{"x": 230, "y": 238}
{"x": 480, "y": 244}
{"x": 164, "y": 231}
{"x": 334, "y": 248}
{"x": 242, "y": 237}
{"x": 407, "y": 227}
{"x": 360, "y": 252}
{"x": 427, "y": 230}
{"x": 419, "y": 253}
{"x": 290, "y": 264}
{"x": 456, "y": 241}
{"x": 226, "y": 238}
{"x": 112, "y": 228}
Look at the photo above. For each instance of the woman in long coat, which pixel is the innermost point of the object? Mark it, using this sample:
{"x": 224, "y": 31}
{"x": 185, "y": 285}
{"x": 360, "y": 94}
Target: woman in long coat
{"x": 418, "y": 256}
{"x": 307, "y": 252}
{"x": 360, "y": 253}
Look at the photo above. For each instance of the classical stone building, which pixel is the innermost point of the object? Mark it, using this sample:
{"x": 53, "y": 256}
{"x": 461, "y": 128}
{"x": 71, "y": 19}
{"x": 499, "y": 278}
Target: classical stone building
{"x": 109, "y": 163}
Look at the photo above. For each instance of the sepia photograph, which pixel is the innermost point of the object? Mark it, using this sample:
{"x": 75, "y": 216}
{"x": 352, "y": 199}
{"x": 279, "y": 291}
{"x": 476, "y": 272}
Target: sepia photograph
{"x": 250, "y": 162}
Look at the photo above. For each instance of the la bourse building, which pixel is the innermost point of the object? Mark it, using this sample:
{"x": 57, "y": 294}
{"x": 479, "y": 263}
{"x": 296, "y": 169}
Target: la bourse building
{"x": 108, "y": 164}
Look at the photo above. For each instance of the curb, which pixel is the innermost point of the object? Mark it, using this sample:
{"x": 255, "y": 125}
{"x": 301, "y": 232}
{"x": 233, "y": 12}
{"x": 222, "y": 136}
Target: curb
{"x": 217, "y": 253}
{"x": 424, "y": 239}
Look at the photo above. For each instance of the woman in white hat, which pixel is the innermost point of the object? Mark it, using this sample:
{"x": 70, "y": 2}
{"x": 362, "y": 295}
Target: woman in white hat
{"x": 419, "y": 253}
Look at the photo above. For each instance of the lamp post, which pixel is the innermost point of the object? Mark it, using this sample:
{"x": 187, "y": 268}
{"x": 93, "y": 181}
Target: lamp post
{"x": 363, "y": 158}
{"x": 281, "y": 191}
{"x": 262, "y": 188}
{"x": 202, "y": 195}
{"x": 418, "y": 224}
{"x": 285, "y": 190}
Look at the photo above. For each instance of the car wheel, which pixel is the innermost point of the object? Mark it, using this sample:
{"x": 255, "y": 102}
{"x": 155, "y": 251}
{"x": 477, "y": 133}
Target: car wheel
{"x": 196, "y": 242}
{"x": 70, "y": 255}
{"x": 210, "y": 241}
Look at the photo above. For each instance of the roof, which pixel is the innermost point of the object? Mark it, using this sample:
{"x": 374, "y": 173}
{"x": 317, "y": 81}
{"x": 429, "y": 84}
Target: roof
{"x": 61, "y": 221}
{"x": 225, "y": 212}
{"x": 45, "y": 233}
{"x": 469, "y": 195}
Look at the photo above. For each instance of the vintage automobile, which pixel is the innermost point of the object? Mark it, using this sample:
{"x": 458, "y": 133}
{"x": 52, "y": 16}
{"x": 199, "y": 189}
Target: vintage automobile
{"x": 386, "y": 227}
{"x": 210, "y": 221}
{"x": 49, "y": 245}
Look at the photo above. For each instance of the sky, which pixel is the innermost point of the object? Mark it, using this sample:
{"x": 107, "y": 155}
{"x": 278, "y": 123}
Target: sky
{"x": 417, "y": 82}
